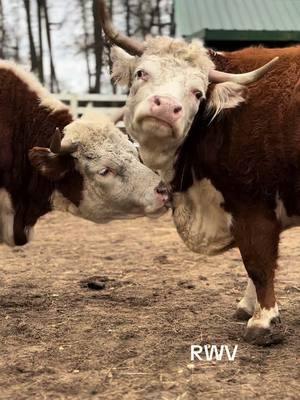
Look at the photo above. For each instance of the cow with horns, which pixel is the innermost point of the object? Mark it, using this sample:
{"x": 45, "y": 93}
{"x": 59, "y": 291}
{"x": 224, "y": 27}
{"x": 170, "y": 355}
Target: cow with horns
{"x": 93, "y": 172}
{"x": 227, "y": 141}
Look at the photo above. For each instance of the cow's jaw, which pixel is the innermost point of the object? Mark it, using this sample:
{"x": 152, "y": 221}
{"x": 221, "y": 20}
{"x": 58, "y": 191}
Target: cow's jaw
{"x": 60, "y": 203}
{"x": 157, "y": 151}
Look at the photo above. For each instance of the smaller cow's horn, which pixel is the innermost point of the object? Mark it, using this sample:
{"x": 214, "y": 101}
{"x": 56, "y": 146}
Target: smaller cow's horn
{"x": 129, "y": 44}
{"x": 57, "y": 148}
{"x": 245, "y": 78}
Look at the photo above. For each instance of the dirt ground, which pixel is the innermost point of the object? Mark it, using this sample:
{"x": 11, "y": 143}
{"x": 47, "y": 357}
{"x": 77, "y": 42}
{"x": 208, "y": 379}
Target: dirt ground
{"x": 129, "y": 340}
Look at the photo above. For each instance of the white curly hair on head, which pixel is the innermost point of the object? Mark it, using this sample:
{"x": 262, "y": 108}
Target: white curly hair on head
{"x": 194, "y": 53}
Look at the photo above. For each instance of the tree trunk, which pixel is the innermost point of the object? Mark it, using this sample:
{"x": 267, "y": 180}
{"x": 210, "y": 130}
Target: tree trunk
{"x": 113, "y": 85}
{"x": 158, "y": 17}
{"x": 2, "y": 32}
{"x": 127, "y": 7}
{"x": 172, "y": 23}
{"x": 86, "y": 49}
{"x": 41, "y": 49}
{"x": 33, "y": 56}
{"x": 54, "y": 86}
{"x": 98, "y": 48}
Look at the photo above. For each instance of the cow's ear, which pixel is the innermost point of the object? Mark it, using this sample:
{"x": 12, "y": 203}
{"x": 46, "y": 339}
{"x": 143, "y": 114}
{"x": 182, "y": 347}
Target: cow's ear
{"x": 50, "y": 165}
{"x": 123, "y": 66}
{"x": 225, "y": 95}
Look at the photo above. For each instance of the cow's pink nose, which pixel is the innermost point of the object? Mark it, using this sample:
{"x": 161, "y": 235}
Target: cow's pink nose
{"x": 166, "y": 108}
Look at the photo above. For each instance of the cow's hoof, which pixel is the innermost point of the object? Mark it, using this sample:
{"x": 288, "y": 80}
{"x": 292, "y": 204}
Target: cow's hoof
{"x": 241, "y": 314}
{"x": 265, "y": 336}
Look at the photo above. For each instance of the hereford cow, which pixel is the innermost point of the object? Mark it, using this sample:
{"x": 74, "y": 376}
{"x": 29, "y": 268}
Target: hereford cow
{"x": 229, "y": 147}
{"x": 94, "y": 172}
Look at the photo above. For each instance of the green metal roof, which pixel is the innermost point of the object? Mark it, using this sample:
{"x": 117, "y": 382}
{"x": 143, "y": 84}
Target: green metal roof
{"x": 239, "y": 19}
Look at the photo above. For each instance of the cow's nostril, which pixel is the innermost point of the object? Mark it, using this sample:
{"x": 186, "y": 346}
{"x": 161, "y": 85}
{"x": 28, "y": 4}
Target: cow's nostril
{"x": 177, "y": 109}
{"x": 157, "y": 101}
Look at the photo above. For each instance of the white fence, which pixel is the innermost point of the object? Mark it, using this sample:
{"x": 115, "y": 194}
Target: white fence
{"x": 105, "y": 103}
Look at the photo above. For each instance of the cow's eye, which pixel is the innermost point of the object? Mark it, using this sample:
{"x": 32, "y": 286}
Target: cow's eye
{"x": 105, "y": 171}
{"x": 141, "y": 74}
{"x": 198, "y": 94}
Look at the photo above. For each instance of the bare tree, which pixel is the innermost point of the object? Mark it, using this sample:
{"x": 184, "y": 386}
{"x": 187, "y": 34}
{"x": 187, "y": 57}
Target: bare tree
{"x": 33, "y": 55}
{"x": 127, "y": 16}
{"x": 98, "y": 48}
{"x": 113, "y": 85}
{"x": 54, "y": 85}
{"x": 86, "y": 42}
{"x": 41, "y": 48}
{"x": 2, "y": 31}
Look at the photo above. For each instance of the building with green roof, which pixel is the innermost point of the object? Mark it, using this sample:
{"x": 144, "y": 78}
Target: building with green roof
{"x": 231, "y": 24}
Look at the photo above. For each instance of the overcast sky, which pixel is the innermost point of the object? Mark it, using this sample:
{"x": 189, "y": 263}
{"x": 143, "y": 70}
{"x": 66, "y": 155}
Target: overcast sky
{"x": 70, "y": 64}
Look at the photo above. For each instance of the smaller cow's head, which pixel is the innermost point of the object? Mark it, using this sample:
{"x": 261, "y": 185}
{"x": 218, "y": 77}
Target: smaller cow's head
{"x": 97, "y": 174}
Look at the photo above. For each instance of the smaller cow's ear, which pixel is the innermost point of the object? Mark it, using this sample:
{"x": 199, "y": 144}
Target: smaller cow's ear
{"x": 123, "y": 66}
{"x": 50, "y": 165}
{"x": 225, "y": 95}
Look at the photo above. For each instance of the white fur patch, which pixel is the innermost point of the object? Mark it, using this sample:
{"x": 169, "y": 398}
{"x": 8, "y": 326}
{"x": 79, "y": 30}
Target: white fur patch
{"x": 123, "y": 65}
{"x": 249, "y": 300}
{"x": 60, "y": 203}
{"x": 200, "y": 220}
{"x": 263, "y": 317}
{"x": 6, "y": 218}
{"x": 225, "y": 95}
{"x": 46, "y": 98}
{"x": 283, "y": 218}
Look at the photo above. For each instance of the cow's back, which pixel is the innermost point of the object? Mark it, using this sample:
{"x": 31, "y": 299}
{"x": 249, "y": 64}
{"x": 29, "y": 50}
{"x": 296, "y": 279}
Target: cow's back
{"x": 259, "y": 142}
{"x": 29, "y": 115}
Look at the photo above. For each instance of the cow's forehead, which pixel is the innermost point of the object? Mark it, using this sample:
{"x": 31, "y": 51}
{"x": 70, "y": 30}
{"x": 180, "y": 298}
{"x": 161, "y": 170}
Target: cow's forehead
{"x": 194, "y": 54}
{"x": 98, "y": 137}
{"x": 166, "y": 63}
{"x": 85, "y": 131}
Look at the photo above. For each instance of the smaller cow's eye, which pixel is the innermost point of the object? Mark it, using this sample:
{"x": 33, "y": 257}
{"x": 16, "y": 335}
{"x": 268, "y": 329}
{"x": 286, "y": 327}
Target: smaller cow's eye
{"x": 105, "y": 171}
{"x": 141, "y": 74}
{"x": 198, "y": 94}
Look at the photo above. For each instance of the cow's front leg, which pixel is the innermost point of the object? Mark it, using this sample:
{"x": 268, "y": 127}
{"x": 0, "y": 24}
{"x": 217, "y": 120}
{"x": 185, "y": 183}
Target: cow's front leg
{"x": 256, "y": 232}
{"x": 246, "y": 306}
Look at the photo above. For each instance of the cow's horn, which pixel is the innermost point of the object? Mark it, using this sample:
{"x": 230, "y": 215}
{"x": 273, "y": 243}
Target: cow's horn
{"x": 56, "y": 146}
{"x": 244, "y": 79}
{"x": 129, "y": 44}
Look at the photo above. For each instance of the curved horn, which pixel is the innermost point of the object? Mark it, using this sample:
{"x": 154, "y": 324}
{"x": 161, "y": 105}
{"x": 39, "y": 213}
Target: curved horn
{"x": 57, "y": 148}
{"x": 243, "y": 79}
{"x": 129, "y": 44}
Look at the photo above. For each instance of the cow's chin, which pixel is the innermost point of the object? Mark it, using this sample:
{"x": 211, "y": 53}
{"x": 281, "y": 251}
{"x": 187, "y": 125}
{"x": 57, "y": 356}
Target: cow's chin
{"x": 156, "y": 127}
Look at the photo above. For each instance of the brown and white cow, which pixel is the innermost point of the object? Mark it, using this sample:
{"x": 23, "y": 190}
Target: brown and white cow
{"x": 229, "y": 147}
{"x": 94, "y": 172}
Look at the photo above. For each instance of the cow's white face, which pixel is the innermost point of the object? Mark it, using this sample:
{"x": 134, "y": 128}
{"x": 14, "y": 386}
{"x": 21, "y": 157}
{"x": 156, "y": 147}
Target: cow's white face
{"x": 167, "y": 84}
{"x": 103, "y": 179}
{"x": 163, "y": 101}
{"x": 116, "y": 184}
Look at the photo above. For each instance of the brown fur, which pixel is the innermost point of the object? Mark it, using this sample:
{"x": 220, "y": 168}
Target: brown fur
{"x": 251, "y": 154}
{"x": 24, "y": 123}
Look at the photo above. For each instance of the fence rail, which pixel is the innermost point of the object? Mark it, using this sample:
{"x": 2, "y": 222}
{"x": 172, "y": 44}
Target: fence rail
{"x": 105, "y": 103}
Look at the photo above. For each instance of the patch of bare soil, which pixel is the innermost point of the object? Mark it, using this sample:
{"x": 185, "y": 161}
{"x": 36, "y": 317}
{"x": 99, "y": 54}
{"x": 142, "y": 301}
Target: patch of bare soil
{"x": 110, "y": 312}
